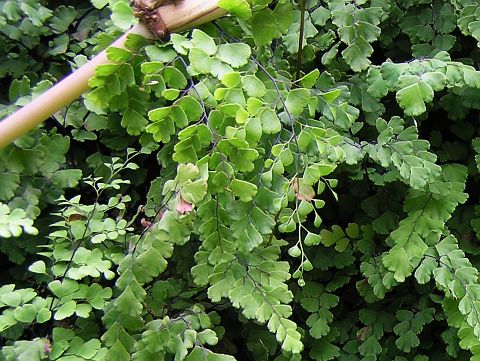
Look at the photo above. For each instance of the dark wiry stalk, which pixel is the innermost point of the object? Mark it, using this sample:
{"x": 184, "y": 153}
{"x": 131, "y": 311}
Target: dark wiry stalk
{"x": 300, "y": 39}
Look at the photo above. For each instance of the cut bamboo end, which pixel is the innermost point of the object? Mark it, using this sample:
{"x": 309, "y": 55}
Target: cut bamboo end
{"x": 175, "y": 17}
{"x": 165, "y": 19}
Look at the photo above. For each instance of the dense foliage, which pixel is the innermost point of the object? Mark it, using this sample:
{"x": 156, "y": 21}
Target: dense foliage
{"x": 223, "y": 195}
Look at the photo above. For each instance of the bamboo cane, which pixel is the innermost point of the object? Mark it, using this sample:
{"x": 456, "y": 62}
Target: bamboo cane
{"x": 169, "y": 18}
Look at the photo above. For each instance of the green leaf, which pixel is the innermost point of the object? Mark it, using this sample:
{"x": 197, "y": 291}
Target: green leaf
{"x": 38, "y": 267}
{"x": 397, "y": 261}
{"x": 356, "y": 54}
{"x": 127, "y": 303}
{"x": 122, "y": 15}
{"x": 115, "y": 333}
{"x": 319, "y": 323}
{"x": 370, "y": 347}
{"x": 207, "y": 337}
{"x": 65, "y": 310}
{"x": 160, "y": 54}
{"x": 192, "y": 108}
{"x": 64, "y": 16}
{"x": 117, "y": 352}
{"x": 27, "y": 350}
{"x": 200, "y": 61}
{"x": 13, "y": 223}
{"x": 83, "y": 310}
{"x": 270, "y": 121}
{"x": 37, "y": 15}
{"x": 170, "y": 94}
{"x": 204, "y": 42}
{"x": 424, "y": 272}
{"x": 12, "y": 299}
{"x": 292, "y": 343}
{"x": 25, "y": 314}
{"x": 250, "y": 156}
{"x": 134, "y": 122}
{"x": 118, "y": 55}
{"x": 44, "y": 315}
{"x": 99, "y": 4}
{"x": 61, "y": 289}
{"x": 9, "y": 182}
{"x": 412, "y": 97}
{"x": 407, "y": 341}
{"x": 198, "y": 354}
{"x": 239, "y": 8}
{"x": 89, "y": 349}
{"x": 309, "y": 80}
{"x": 264, "y": 27}
{"x": 67, "y": 178}
{"x": 243, "y": 190}
{"x": 253, "y": 86}
{"x": 296, "y": 101}
{"x": 320, "y": 16}
{"x": 312, "y": 239}
{"x": 323, "y": 350}
{"x": 219, "y": 357}
{"x": 235, "y": 55}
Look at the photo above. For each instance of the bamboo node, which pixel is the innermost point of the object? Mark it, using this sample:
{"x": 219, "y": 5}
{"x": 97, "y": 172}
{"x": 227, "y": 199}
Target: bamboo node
{"x": 149, "y": 14}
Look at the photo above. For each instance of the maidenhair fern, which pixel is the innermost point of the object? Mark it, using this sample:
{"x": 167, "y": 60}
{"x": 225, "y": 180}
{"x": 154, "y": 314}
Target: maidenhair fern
{"x": 219, "y": 196}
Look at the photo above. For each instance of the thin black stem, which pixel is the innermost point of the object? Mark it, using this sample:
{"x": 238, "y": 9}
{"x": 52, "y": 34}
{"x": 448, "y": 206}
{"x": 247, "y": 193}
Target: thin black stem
{"x": 300, "y": 40}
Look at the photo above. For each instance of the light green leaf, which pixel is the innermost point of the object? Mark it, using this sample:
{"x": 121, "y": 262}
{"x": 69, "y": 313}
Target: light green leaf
{"x": 67, "y": 178}
{"x": 117, "y": 353}
{"x": 198, "y": 354}
{"x": 264, "y": 27}
{"x": 413, "y": 95}
{"x": 356, "y": 54}
{"x": 397, "y": 261}
{"x": 118, "y": 55}
{"x": 270, "y": 121}
{"x": 292, "y": 342}
{"x": 240, "y": 8}
{"x": 122, "y": 15}
{"x": 99, "y": 3}
{"x": 424, "y": 272}
{"x": 134, "y": 122}
{"x": 38, "y": 267}
{"x": 65, "y": 310}
{"x": 200, "y": 61}
{"x": 235, "y": 55}
{"x": 243, "y": 190}
{"x": 44, "y": 315}
{"x": 219, "y": 357}
{"x": 296, "y": 100}
{"x": 253, "y": 86}
{"x": 204, "y": 42}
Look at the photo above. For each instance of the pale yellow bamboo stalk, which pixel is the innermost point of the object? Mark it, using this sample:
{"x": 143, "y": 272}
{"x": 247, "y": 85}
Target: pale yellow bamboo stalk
{"x": 58, "y": 96}
{"x": 174, "y": 17}
{"x": 194, "y": 13}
